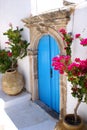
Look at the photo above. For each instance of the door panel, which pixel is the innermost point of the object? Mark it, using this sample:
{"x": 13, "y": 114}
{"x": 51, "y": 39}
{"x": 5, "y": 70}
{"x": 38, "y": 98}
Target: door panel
{"x": 48, "y": 78}
{"x": 44, "y": 70}
{"x": 54, "y": 50}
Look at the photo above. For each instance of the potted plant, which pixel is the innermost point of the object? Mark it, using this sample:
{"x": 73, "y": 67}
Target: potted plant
{"x": 12, "y": 81}
{"x": 76, "y": 72}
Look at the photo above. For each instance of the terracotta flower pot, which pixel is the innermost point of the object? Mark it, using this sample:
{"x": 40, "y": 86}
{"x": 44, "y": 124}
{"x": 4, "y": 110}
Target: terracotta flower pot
{"x": 70, "y": 124}
{"x": 12, "y": 82}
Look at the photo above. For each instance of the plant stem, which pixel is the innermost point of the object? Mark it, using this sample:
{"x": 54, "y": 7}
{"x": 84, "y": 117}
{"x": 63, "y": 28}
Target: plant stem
{"x": 75, "y": 110}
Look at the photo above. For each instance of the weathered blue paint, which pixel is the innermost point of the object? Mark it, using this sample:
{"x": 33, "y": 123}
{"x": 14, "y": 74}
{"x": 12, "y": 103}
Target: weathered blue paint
{"x": 48, "y": 78}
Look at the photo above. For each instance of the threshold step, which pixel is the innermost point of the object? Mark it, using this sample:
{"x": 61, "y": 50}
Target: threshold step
{"x": 8, "y": 100}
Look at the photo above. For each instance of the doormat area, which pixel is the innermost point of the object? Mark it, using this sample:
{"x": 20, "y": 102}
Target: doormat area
{"x": 47, "y": 109}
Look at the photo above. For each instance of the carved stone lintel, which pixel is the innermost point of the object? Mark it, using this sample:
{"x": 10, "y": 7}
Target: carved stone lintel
{"x": 50, "y": 18}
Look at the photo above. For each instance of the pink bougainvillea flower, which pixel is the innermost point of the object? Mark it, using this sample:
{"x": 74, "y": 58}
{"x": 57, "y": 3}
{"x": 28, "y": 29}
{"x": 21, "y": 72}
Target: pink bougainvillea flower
{"x": 77, "y": 35}
{"x": 63, "y": 38}
{"x": 60, "y": 63}
{"x": 9, "y": 54}
{"x": 77, "y": 59}
{"x": 61, "y": 71}
{"x": 67, "y": 43}
{"x": 63, "y": 31}
{"x": 84, "y": 42}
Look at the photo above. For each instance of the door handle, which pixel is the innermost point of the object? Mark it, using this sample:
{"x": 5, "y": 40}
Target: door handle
{"x": 51, "y": 72}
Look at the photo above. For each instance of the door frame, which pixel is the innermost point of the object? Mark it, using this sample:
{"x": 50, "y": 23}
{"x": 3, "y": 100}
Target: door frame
{"x": 47, "y": 23}
{"x": 33, "y": 79}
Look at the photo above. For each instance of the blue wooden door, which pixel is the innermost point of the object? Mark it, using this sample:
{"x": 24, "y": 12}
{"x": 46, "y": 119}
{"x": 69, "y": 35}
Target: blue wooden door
{"x": 48, "y": 78}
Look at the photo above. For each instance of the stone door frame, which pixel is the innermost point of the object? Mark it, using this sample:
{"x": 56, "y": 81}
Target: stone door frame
{"x": 46, "y": 24}
{"x": 33, "y": 52}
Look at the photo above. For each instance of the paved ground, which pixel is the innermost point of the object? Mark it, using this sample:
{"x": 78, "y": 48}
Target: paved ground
{"x": 20, "y": 113}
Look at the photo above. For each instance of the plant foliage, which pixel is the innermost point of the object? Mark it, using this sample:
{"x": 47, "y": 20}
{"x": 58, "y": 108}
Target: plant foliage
{"x": 17, "y": 45}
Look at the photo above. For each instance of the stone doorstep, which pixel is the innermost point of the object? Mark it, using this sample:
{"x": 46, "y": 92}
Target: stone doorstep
{"x": 47, "y": 109}
{"x": 60, "y": 126}
{"x": 18, "y": 100}
{"x": 46, "y": 125}
{"x": 7, "y": 100}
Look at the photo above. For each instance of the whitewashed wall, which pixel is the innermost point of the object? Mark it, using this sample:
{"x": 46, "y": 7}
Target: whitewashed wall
{"x": 78, "y": 24}
{"x": 13, "y": 11}
{"x": 41, "y": 6}
{"x": 76, "y": 1}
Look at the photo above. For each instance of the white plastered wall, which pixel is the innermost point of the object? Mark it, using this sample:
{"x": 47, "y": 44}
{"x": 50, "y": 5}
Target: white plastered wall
{"x": 13, "y": 11}
{"x": 78, "y": 24}
{"x": 41, "y": 6}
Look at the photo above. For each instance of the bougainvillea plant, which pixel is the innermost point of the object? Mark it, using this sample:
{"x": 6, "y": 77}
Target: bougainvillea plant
{"x": 67, "y": 38}
{"x": 5, "y": 62}
{"x": 17, "y": 46}
{"x": 76, "y": 70}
